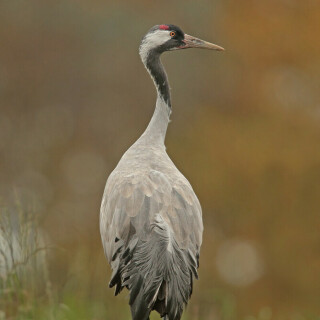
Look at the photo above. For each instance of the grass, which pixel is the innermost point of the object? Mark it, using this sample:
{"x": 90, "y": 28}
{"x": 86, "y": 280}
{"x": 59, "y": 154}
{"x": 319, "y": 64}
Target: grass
{"x": 27, "y": 291}
{"x": 24, "y": 275}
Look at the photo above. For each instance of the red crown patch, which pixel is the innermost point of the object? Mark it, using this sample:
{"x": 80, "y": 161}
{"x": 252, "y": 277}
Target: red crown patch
{"x": 163, "y": 27}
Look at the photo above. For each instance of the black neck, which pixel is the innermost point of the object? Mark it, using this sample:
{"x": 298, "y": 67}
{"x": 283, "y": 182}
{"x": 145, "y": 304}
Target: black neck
{"x": 157, "y": 72}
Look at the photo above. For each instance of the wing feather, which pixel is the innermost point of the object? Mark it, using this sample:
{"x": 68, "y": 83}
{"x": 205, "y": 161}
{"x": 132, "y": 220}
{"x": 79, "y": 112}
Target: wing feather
{"x": 133, "y": 200}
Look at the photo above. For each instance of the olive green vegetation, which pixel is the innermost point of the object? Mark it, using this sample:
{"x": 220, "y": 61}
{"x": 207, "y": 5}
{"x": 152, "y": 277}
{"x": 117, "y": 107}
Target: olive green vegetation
{"x": 245, "y": 131}
{"x": 26, "y": 290}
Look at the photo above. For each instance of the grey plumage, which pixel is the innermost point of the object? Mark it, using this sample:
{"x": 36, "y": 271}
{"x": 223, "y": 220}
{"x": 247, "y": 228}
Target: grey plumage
{"x": 151, "y": 229}
{"x": 150, "y": 221}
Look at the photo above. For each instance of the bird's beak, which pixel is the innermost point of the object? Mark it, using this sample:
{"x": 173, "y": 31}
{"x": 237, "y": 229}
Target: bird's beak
{"x": 193, "y": 42}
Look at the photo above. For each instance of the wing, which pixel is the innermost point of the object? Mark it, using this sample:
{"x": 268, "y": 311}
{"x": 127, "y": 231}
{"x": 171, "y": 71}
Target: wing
{"x": 132, "y": 201}
{"x": 151, "y": 229}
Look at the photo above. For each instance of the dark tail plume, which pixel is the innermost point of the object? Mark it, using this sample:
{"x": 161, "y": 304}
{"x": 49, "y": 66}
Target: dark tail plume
{"x": 158, "y": 274}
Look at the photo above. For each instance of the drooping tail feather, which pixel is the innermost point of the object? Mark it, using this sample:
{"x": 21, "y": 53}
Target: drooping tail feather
{"x": 157, "y": 272}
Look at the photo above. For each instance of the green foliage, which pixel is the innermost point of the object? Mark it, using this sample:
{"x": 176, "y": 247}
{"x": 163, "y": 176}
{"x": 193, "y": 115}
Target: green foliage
{"x": 24, "y": 271}
{"x": 27, "y": 293}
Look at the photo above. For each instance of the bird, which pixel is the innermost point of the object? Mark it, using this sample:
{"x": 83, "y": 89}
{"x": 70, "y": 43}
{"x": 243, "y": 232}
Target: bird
{"x": 150, "y": 218}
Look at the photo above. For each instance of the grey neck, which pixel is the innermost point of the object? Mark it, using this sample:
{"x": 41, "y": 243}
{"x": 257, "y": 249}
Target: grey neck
{"x": 157, "y": 128}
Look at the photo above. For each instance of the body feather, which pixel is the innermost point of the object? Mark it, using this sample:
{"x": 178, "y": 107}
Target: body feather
{"x": 151, "y": 229}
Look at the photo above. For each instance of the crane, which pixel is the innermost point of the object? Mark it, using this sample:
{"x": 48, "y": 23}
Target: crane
{"x": 150, "y": 219}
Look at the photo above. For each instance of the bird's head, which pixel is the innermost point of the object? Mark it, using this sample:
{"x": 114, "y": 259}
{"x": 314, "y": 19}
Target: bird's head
{"x": 167, "y": 37}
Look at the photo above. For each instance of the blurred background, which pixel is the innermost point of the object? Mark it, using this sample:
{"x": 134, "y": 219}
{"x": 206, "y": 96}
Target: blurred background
{"x": 245, "y": 131}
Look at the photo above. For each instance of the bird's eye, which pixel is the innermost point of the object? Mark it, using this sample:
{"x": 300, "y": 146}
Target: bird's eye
{"x": 172, "y": 34}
